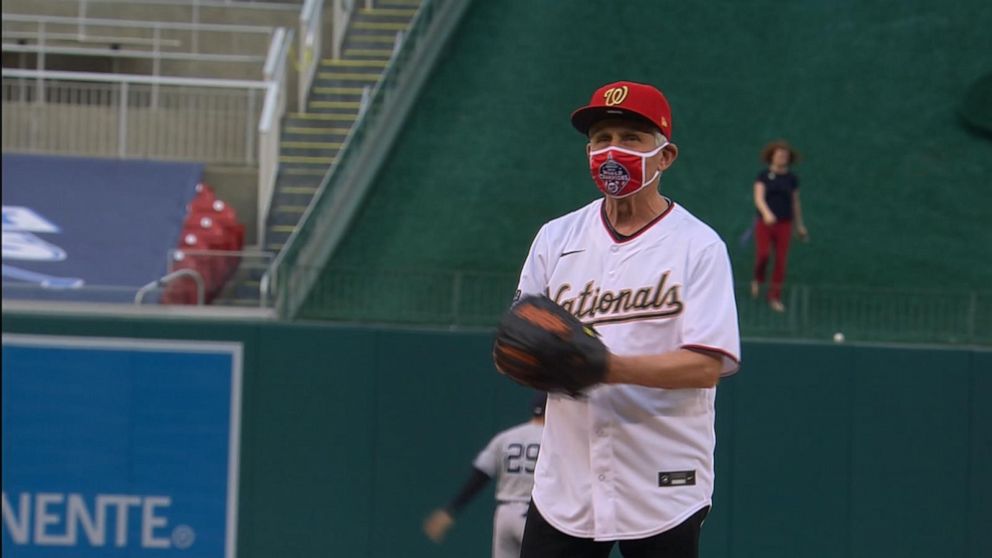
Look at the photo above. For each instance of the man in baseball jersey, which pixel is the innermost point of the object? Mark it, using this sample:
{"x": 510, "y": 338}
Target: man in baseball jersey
{"x": 509, "y": 458}
{"x": 631, "y": 460}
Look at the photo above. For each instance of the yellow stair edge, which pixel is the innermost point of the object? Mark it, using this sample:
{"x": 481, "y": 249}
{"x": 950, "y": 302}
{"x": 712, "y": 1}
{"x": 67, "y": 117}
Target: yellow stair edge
{"x": 297, "y": 190}
{"x": 343, "y": 76}
{"x": 381, "y": 52}
{"x": 336, "y": 104}
{"x": 379, "y": 26}
{"x": 282, "y": 228}
{"x": 354, "y": 63}
{"x": 310, "y": 144}
{"x": 338, "y": 90}
{"x": 374, "y": 38}
{"x": 316, "y": 131}
{"x": 302, "y": 172}
{"x": 291, "y": 209}
{"x": 322, "y": 116}
{"x": 306, "y": 159}
{"x": 390, "y": 12}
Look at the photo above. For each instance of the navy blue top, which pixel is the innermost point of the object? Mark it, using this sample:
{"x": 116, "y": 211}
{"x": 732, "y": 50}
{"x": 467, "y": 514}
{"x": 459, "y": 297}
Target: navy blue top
{"x": 778, "y": 192}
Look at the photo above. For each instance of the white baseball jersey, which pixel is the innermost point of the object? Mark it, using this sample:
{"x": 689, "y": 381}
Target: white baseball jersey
{"x": 629, "y": 462}
{"x": 510, "y": 458}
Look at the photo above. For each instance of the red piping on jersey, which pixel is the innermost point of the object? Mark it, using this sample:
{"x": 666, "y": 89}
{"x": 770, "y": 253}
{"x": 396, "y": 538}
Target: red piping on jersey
{"x": 706, "y": 349}
{"x": 613, "y": 234}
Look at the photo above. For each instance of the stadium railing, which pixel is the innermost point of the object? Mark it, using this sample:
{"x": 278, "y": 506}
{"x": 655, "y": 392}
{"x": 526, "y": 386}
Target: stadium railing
{"x": 131, "y": 116}
{"x": 269, "y": 125}
{"x": 477, "y": 299}
{"x": 115, "y": 38}
{"x": 311, "y": 46}
{"x": 137, "y": 116}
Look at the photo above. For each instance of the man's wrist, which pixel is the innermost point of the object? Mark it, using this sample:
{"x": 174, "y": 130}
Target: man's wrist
{"x": 615, "y": 369}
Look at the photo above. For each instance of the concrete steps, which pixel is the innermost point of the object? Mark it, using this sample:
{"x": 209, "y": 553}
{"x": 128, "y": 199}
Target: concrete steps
{"x": 310, "y": 142}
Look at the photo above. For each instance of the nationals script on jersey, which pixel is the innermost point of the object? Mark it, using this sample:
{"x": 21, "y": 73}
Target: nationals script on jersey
{"x": 626, "y": 461}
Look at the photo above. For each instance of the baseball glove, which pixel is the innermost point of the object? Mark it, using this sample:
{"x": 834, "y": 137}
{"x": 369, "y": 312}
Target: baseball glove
{"x": 540, "y": 345}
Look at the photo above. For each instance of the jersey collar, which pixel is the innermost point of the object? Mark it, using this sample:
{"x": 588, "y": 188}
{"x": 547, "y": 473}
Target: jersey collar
{"x": 619, "y": 238}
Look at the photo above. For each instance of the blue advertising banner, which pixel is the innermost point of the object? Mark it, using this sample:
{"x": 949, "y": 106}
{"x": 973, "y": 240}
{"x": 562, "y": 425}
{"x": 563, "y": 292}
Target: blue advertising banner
{"x": 88, "y": 229}
{"x": 120, "y": 447}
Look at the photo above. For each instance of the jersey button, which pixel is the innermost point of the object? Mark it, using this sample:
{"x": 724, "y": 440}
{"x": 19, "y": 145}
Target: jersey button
{"x": 614, "y": 249}
{"x": 600, "y": 432}
{"x": 602, "y": 477}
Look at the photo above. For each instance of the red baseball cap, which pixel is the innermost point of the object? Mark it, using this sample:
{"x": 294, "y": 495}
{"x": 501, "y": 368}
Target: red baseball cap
{"x": 626, "y": 99}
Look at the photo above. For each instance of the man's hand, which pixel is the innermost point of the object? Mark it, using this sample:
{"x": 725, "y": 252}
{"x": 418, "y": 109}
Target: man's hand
{"x": 769, "y": 218}
{"x": 437, "y": 524}
{"x": 802, "y": 233}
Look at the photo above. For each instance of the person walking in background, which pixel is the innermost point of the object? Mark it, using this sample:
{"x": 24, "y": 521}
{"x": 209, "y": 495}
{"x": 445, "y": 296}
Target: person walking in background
{"x": 509, "y": 458}
{"x": 776, "y": 198}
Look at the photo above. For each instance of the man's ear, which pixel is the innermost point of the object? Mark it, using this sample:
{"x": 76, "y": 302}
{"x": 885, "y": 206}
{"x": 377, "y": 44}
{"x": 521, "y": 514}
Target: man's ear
{"x": 667, "y": 156}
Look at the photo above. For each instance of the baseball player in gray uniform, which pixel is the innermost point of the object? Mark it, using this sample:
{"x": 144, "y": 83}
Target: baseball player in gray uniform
{"x": 631, "y": 461}
{"x": 510, "y": 458}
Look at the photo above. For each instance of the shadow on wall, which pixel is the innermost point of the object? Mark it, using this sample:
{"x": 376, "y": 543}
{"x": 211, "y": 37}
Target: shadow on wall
{"x": 976, "y": 108}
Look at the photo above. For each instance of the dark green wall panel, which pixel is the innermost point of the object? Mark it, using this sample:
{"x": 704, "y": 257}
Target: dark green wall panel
{"x": 350, "y": 436}
{"x": 909, "y": 453}
{"x": 980, "y": 462}
{"x": 791, "y": 443}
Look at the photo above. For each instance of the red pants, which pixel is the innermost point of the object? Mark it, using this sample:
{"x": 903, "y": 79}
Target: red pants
{"x": 777, "y": 234}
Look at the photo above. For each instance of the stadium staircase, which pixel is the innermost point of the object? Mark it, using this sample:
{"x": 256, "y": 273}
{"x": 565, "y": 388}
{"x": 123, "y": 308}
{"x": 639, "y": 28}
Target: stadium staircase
{"x": 310, "y": 140}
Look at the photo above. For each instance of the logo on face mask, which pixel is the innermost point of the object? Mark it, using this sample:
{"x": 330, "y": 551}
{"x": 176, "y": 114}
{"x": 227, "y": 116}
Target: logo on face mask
{"x": 620, "y": 172}
{"x": 613, "y": 176}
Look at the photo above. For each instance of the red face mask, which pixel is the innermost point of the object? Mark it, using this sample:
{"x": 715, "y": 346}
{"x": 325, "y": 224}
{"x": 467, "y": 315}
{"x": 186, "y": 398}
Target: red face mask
{"x": 619, "y": 172}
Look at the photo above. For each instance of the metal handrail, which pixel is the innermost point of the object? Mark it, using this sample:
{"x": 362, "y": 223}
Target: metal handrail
{"x": 269, "y": 132}
{"x": 139, "y": 296}
{"x": 117, "y": 53}
{"x": 133, "y": 78}
{"x": 311, "y": 44}
{"x": 342, "y": 16}
{"x": 89, "y": 39}
{"x": 127, "y": 23}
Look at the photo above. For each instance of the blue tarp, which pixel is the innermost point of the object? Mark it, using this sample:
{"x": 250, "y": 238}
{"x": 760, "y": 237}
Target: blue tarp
{"x": 90, "y": 229}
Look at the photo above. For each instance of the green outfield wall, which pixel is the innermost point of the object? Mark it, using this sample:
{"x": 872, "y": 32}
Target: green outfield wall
{"x": 351, "y": 435}
{"x": 893, "y": 180}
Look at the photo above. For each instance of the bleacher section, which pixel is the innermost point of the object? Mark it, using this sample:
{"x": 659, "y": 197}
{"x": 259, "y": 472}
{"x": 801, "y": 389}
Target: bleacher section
{"x": 894, "y": 186}
{"x": 196, "y": 77}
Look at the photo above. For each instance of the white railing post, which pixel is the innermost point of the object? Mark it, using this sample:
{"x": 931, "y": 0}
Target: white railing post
{"x": 343, "y": 10}
{"x": 269, "y": 132}
{"x": 156, "y": 61}
{"x": 81, "y": 26}
{"x": 397, "y": 44}
{"x": 195, "y": 21}
{"x": 40, "y": 63}
{"x": 311, "y": 41}
{"x": 366, "y": 96}
{"x": 122, "y": 121}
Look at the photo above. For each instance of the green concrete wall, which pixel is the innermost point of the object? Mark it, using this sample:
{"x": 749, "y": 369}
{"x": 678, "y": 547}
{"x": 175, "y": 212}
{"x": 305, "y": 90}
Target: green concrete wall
{"x": 351, "y": 435}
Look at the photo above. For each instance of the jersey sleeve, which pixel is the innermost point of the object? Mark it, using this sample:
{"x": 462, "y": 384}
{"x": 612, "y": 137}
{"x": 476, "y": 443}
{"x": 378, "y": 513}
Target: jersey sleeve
{"x": 488, "y": 459}
{"x": 534, "y": 275}
{"x": 710, "y": 323}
